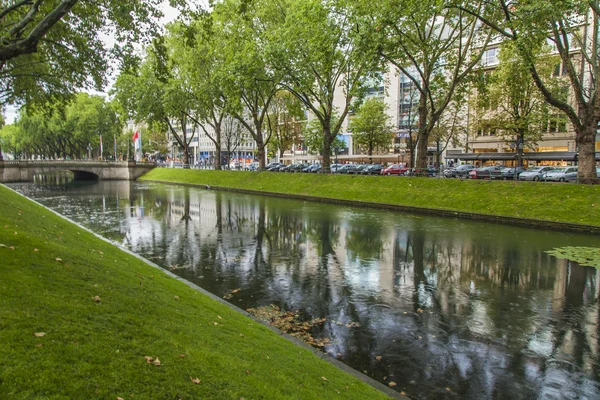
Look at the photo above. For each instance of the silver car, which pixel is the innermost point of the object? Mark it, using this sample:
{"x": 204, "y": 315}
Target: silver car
{"x": 562, "y": 174}
{"x": 534, "y": 174}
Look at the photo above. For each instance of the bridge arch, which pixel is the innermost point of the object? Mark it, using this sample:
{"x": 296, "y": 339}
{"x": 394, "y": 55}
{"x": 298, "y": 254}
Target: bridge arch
{"x": 80, "y": 175}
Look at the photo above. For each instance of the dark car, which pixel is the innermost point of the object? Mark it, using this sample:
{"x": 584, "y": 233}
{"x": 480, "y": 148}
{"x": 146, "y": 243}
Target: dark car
{"x": 394, "y": 169}
{"x": 373, "y": 169}
{"x": 510, "y": 173}
{"x": 312, "y": 168}
{"x": 491, "y": 172}
{"x": 421, "y": 172}
{"x": 461, "y": 171}
{"x": 346, "y": 169}
{"x": 274, "y": 167}
{"x": 359, "y": 169}
{"x": 296, "y": 167}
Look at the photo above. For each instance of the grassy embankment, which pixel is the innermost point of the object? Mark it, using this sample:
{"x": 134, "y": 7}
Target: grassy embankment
{"x": 78, "y": 316}
{"x": 567, "y": 203}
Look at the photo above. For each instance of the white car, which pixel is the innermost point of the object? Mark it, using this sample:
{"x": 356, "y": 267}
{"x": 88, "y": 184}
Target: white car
{"x": 562, "y": 174}
{"x": 534, "y": 174}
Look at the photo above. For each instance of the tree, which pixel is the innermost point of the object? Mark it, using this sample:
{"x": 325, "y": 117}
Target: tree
{"x": 510, "y": 101}
{"x": 318, "y": 50}
{"x": 232, "y": 135}
{"x": 314, "y": 138}
{"x": 286, "y": 117}
{"x": 572, "y": 28}
{"x": 155, "y": 94}
{"x": 435, "y": 46}
{"x": 49, "y": 49}
{"x": 199, "y": 52}
{"x": 370, "y": 126}
{"x": 64, "y": 132}
{"x": 248, "y": 79}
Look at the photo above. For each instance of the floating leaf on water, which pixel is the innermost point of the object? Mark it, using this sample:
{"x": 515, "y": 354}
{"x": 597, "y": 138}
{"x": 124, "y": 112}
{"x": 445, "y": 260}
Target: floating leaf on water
{"x": 378, "y": 358}
{"x": 585, "y": 256}
{"x": 392, "y": 384}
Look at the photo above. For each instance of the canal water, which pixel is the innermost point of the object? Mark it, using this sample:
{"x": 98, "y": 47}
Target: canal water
{"x": 444, "y": 308}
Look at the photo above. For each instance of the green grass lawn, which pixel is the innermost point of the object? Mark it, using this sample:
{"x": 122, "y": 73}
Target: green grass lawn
{"x": 568, "y": 203}
{"x": 78, "y": 316}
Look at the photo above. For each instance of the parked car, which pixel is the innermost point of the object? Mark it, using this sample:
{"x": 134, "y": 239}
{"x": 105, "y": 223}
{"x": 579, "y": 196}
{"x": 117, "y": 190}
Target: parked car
{"x": 296, "y": 167}
{"x": 394, "y": 169}
{"x": 489, "y": 172}
{"x": 461, "y": 171}
{"x": 359, "y": 169}
{"x": 421, "y": 172}
{"x": 510, "y": 172}
{"x": 534, "y": 173}
{"x": 346, "y": 169}
{"x": 312, "y": 168}
{"x": 334, "y": 167}
{"x": 253, "y": 166}
{"x": 561, "y": 174}
{"x": 274, "y": 167}
{"x": 373, "y": 169}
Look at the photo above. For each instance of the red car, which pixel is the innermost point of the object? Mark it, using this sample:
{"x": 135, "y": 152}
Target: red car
{"x": 395, "y": 169}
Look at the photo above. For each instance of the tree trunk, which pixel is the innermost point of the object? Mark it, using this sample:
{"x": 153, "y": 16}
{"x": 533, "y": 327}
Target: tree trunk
{"x": 217, "y": 146}
{"x": 585, "y": 139}
{"x": 327, "y": 140}
{"x": 423, "y": 135}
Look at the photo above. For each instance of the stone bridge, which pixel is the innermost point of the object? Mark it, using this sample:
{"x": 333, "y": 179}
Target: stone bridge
{"x": 25, "y": 170}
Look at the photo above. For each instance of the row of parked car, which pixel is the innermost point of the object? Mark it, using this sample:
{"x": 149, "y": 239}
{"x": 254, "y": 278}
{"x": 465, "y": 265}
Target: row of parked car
{"x": 538, "y": 173}
{"x": 352, "y": 169}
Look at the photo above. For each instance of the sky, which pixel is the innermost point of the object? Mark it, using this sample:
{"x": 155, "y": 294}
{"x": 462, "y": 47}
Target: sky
{"x": 170, "y": 14}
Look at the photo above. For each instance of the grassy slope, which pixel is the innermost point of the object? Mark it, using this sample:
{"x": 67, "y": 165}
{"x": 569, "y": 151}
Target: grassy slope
{"x": 96, "y": 349}
{"x": 544, "y": 201}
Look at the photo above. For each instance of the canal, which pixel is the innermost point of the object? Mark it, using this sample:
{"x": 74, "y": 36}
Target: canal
{"x": 440, "y": 307}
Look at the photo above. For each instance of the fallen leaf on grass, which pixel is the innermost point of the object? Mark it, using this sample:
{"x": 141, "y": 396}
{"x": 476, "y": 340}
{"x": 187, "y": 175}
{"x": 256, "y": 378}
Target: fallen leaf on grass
{"x": 215, "y": 323}
{"x": 96, "y": 299}
{"x": 35, "y": 250}
{"x": 120, "y": 398}
{"x": 392, "y": 384}
{"x": 149, "y": 359}
{"x": 156, "y": 362}
{"x": 40, "y": 334}
{"x": 247, "y": 372}
{"x": 12, "y": 247}
{"x": 2, "y": 245}
{"x": 58, "y": 259}
{"x": 39, "y": 345}
{"x": 196, "y": 380}
{"x": 325, "y": 379}
{"x": 176, "y": 297}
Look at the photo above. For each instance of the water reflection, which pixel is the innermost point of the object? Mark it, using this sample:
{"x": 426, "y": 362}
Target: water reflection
{"x": 445, "y": 308}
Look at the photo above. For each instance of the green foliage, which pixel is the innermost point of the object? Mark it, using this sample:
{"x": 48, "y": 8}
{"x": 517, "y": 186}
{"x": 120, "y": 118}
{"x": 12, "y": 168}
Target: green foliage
{"x": 435, "y": 45}
{"x": 586, "y": 256}
{"x": 319, "y": 52}
{"x": 313, "y": 139}
{"x": 51, "y": 49}
{"x": 370, "y": 126}
{"x": 65, "y": 132}
{"x": 102, "y": 311}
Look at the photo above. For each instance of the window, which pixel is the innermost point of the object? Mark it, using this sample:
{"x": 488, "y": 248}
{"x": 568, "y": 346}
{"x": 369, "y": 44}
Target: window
{"x": 490, "y": 56}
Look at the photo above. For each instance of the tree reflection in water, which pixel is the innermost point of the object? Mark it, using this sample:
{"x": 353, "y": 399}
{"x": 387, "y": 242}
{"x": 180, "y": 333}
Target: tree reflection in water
{"x": 445, "y": 308}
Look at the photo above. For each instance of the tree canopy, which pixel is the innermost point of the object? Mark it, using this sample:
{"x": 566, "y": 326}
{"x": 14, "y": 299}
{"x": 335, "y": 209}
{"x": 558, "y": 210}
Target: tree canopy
{"x": 49, "y": 49}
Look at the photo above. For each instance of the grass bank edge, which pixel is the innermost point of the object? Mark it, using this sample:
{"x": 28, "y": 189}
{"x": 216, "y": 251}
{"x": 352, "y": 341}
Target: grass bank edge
{"x": 92, "y": 347}
{"x": 545, "y": 202}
